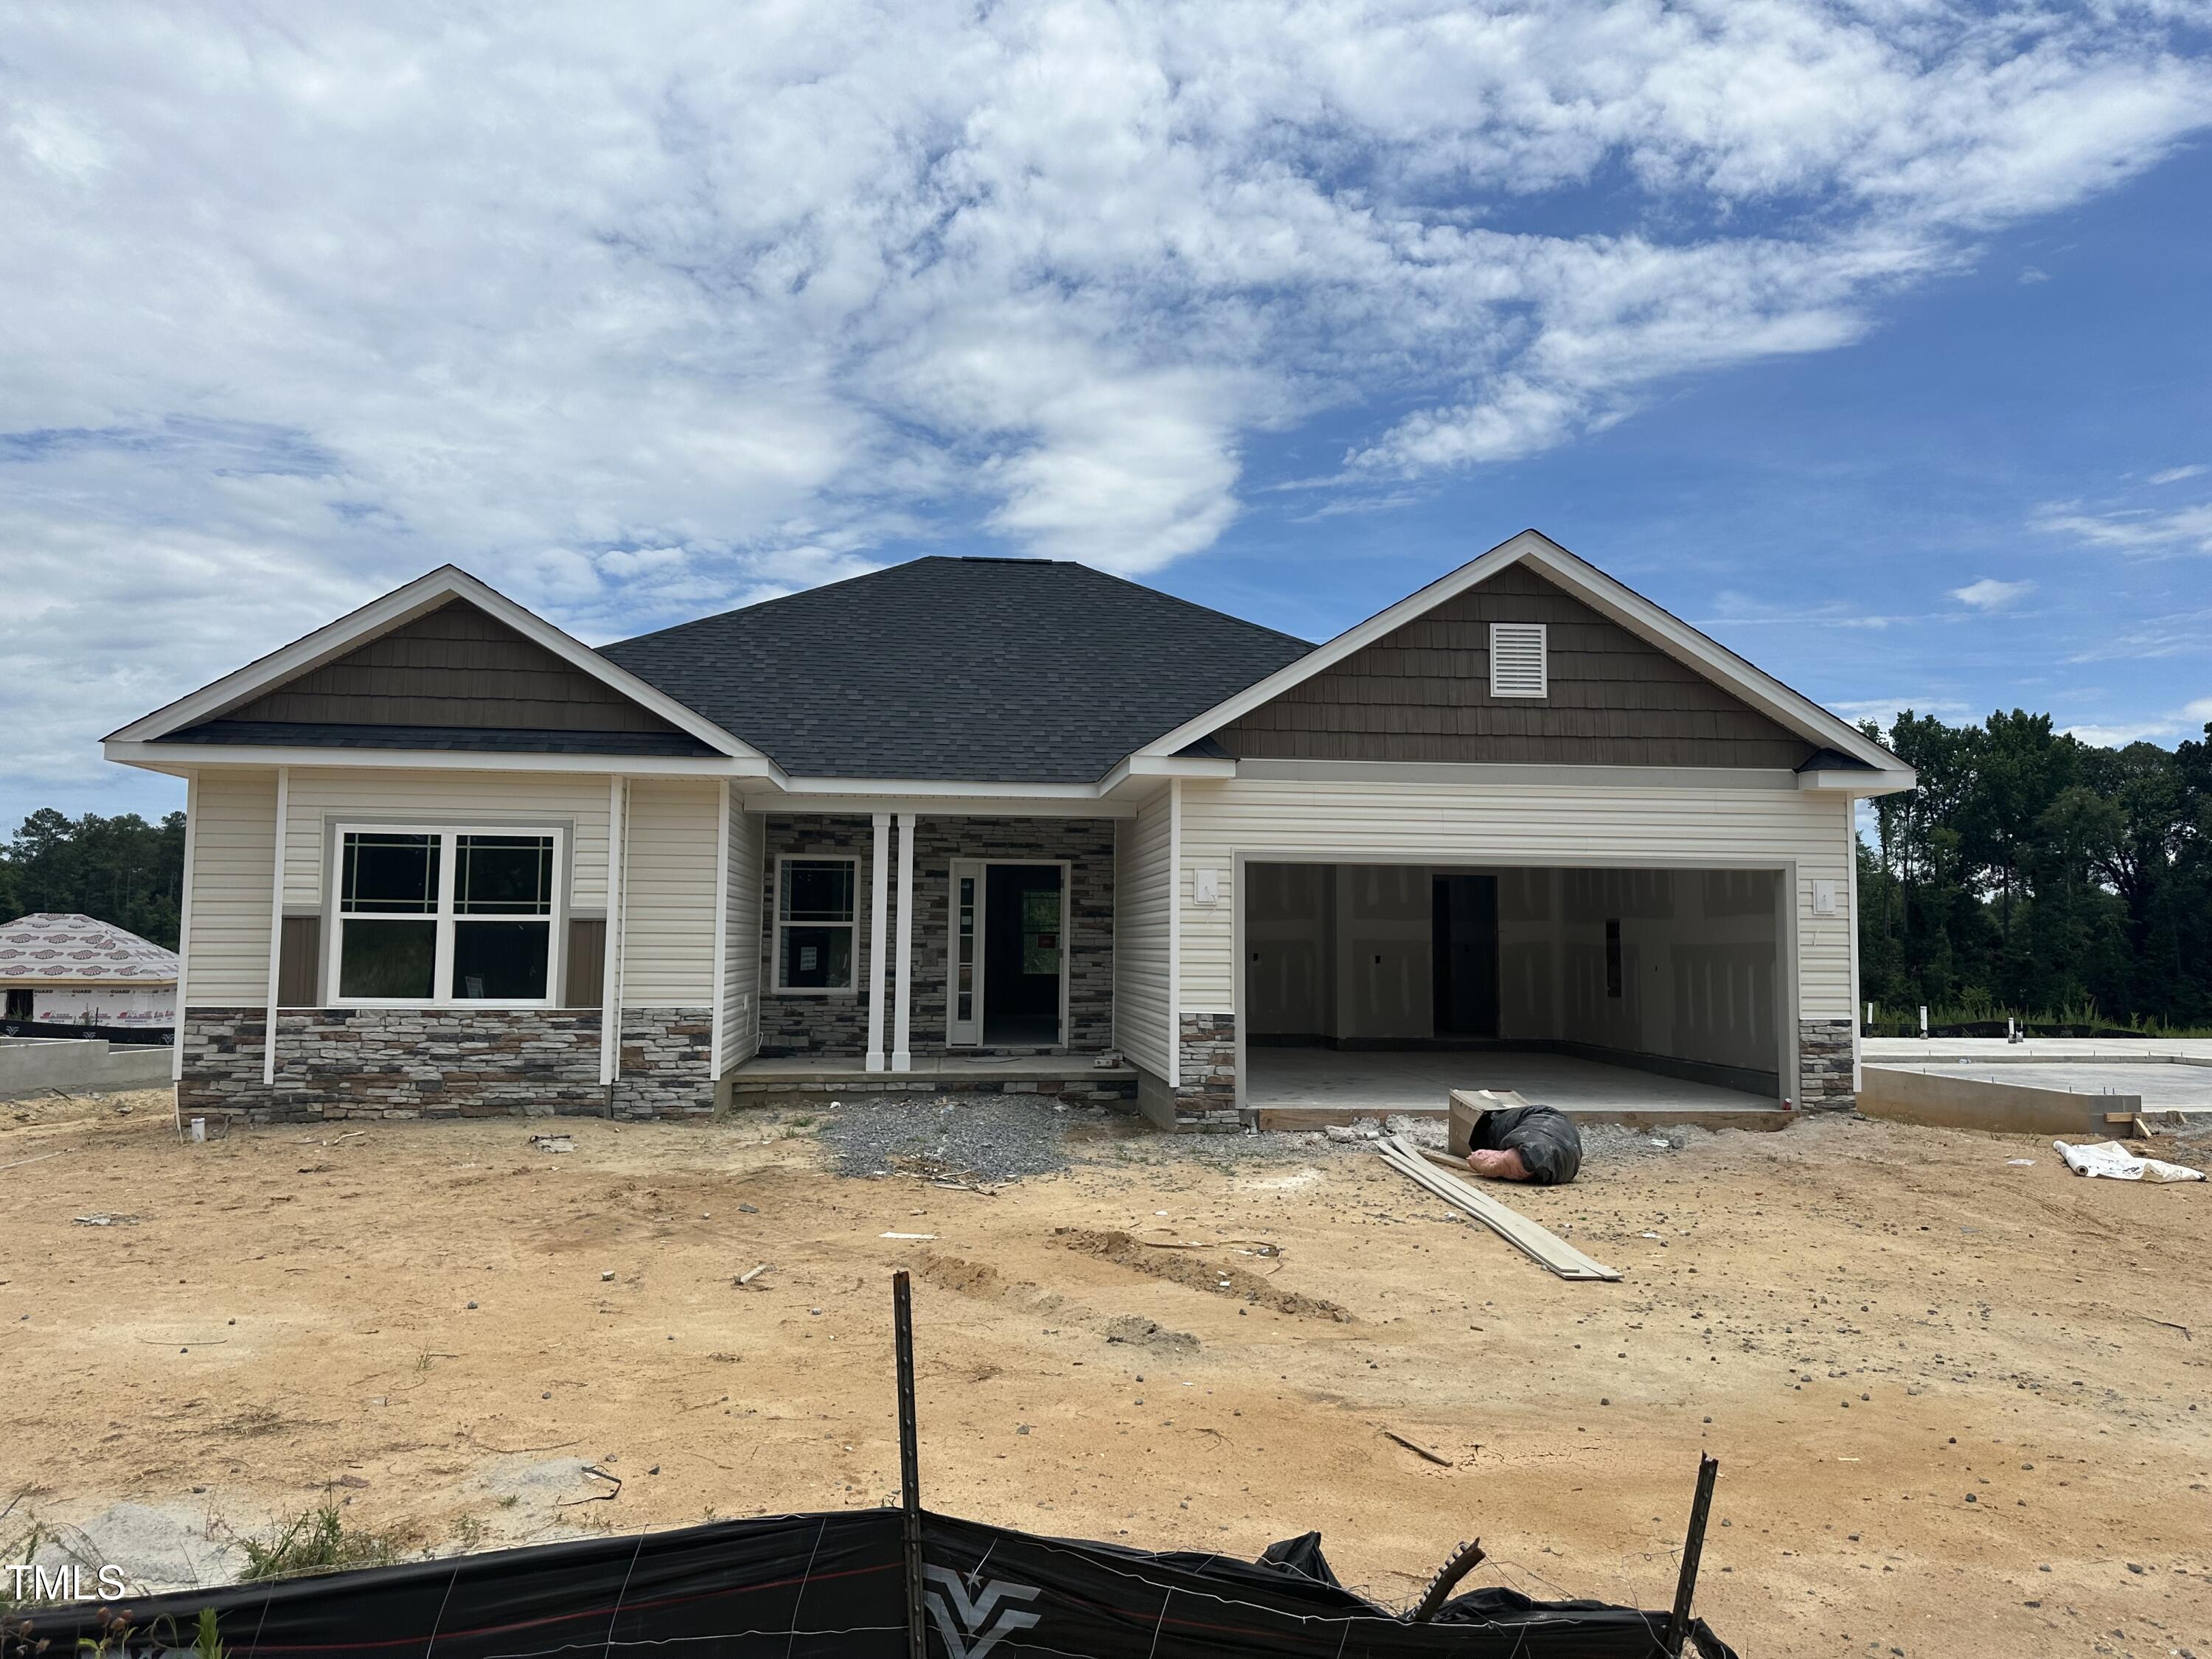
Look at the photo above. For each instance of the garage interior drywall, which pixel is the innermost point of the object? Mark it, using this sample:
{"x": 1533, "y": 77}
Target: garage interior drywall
{"x": 1676, "y": 970}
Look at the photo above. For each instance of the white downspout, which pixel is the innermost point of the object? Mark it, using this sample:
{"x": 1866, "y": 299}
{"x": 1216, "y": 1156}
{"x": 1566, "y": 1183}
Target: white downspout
{"x": 721, "y": 928}
{"x": 1174, "y": 933}
{"x": 1851, "y": 923}
{"x": 184, "y": 937}
{"x": 902, "y": 1055}
{"x": 275, "y": 927}
{"x": 610, "y": 969}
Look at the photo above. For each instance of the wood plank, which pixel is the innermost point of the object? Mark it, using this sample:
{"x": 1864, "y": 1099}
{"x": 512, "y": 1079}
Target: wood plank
{"x": 1540, "y": 1244}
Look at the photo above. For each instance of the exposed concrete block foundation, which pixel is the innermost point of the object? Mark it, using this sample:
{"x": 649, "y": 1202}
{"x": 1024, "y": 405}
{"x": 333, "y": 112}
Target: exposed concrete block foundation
{"x": 1824, "y": 1065}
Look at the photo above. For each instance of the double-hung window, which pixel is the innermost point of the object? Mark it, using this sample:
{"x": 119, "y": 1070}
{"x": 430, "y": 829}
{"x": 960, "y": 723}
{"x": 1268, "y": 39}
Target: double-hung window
{"x": 814, "y": 924}
{"x": 446, "y": 916}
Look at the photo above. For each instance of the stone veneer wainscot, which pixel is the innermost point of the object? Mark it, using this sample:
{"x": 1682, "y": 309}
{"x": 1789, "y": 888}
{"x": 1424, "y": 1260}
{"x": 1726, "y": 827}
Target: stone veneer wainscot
{"x": 442, "y": 1063}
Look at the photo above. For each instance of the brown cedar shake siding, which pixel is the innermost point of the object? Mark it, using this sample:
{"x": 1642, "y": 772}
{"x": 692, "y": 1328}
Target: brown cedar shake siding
{"x": 455, "y": 666}
{"x": 1422, "y": 693}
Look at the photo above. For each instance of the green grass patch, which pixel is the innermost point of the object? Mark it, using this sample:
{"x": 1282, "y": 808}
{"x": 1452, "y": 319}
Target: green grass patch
{"x": 316, "y": 1540}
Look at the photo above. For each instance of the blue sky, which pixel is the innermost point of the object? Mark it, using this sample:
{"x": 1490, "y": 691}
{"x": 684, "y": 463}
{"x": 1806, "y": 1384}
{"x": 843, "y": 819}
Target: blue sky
{"x": 1870, "y": 337}
{"x": 1821, "y": 513}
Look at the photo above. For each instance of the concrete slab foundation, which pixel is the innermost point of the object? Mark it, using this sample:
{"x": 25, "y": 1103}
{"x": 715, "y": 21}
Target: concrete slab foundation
{"x": 1374, "y": 1085}
{"x": 1947, "y": 1100}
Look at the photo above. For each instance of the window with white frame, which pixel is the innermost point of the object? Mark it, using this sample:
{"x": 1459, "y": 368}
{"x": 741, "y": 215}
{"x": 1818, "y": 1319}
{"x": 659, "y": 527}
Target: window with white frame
{"x": 445, "y": 916}
{"x": 815, "y": 924}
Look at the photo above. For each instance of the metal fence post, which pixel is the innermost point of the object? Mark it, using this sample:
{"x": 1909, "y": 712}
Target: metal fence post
{"x": 1693, "y": 1546}
{"x": 909, "y": 1462}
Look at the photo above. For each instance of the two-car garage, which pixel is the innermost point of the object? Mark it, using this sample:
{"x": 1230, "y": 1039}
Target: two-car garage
{"x": 1362, "y": 982}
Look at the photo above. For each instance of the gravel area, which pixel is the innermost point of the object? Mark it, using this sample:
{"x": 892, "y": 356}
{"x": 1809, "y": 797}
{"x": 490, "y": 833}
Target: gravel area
{"x": 990, "y": 1137}
{"x": 996, "y": 1138}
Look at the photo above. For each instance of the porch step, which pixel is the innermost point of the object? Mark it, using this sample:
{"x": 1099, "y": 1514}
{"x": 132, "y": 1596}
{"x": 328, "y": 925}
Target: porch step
{"x": 805, "y": 1078}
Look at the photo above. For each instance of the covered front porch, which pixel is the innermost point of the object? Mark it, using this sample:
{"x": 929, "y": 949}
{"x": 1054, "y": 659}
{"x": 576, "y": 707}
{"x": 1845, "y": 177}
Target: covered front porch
{"x": 962, "y": 948}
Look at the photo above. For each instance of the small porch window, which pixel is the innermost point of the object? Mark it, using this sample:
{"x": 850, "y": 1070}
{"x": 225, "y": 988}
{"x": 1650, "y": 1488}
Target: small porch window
{"x": 815, "y": 925}
{"x": 442, "y": 916}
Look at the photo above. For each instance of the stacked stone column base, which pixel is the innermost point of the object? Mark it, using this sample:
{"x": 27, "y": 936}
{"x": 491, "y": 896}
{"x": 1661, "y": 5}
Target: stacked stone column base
{"x": 1824, "y": 1066}
{"x": 1206, "y": 1096}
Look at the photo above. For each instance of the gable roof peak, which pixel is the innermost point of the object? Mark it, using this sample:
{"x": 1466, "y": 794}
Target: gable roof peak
{"x": 1606, "y": 594}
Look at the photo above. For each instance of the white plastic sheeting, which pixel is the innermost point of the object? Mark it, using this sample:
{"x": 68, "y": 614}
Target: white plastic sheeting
{"x": 2116, "y": 1162}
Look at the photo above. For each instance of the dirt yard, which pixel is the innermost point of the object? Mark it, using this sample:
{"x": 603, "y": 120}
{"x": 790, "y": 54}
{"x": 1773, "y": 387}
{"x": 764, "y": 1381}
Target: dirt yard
{"x": 1955, "y": 1405}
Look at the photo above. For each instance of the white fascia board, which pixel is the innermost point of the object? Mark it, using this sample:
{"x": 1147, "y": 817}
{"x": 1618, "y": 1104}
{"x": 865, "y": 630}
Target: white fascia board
{"x": 936, "y": 797}
{"x": 182, "y": 758}
{"x": 403, "y": 604}
{"x": 926, "y": 804}
{"x": 1850, "y": 781}
{"x": 1148, "y": 766}
{"x": 1181, "y": 766}
{"x": 1603, "y": 594}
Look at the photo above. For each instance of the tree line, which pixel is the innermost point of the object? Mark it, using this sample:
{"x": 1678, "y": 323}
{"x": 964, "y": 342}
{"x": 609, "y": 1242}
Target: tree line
{"x": 122, "y": 870}
{"x": 2031, "y": 873}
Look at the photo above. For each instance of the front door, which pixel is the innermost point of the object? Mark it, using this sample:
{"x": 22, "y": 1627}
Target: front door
{"x": 1022, "y": 953}
{"x": 1005, "y": 967}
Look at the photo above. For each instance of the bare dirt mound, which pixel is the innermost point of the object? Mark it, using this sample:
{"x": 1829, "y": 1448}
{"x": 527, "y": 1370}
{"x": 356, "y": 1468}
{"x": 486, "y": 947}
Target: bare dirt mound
{"x": 1142, "y": 1333}
{"x": 1183, "y": 1266}
{"x": 985, "y": 1283}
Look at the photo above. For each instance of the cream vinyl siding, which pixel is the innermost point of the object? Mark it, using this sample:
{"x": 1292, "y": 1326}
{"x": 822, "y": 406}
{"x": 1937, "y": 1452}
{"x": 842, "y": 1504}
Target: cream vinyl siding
{"x": 319, "y": 795}
{"x": 668, "y": 893}
{"x": 741, "y": 943}
{"x": 1487, "y": 825}
{"x": 234, "y": 853}
{"x": 1143, "y": 1017}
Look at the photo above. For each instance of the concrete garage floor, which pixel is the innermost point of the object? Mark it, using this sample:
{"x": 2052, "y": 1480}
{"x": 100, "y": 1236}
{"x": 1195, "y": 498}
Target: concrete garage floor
{"x": 1340, "y": 1080}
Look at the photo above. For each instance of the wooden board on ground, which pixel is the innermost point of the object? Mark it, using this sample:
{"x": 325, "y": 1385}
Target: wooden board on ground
{"x": 1539, "y": 1243}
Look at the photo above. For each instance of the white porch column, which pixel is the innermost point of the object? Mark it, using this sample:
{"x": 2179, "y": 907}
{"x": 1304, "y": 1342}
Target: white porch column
{"x": 902, "y": 1056}
{"x": 878, "y": 884}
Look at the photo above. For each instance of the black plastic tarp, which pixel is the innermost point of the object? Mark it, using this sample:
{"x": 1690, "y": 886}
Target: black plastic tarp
{"x": 809, "y": 1586}
{"x": 1550, "y": 1145}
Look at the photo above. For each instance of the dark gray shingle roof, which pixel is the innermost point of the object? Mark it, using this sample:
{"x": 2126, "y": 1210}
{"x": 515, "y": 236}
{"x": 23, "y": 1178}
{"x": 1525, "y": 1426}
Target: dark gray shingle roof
{"x": 988, "y": 670}
{"x": 499, "y": 739}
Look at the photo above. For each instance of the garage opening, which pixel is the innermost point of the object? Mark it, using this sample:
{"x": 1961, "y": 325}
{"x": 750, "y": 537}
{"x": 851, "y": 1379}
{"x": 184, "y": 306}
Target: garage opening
{"x": 1382, "y": 988}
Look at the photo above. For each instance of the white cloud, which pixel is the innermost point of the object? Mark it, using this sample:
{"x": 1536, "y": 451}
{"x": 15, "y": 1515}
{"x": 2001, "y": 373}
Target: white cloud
{"x": 1991, "y": 594}
{"x": 2129, "y": 530}
{"x": 2176, "y": 474}
{"x": 1884, "y": 711}
{"x": 2187, "y": 721}
{"x": 643, "y": 313}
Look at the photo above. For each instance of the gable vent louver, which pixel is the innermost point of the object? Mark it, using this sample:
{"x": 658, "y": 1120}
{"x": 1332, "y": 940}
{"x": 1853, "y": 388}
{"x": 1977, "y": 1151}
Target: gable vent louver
{"x": 1518, "y": 660}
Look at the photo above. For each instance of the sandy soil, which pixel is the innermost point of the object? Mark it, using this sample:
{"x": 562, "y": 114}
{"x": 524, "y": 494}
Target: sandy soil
{"x": 1947, "y": 1413}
